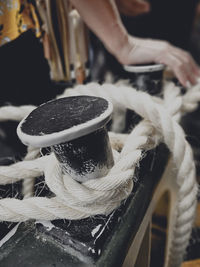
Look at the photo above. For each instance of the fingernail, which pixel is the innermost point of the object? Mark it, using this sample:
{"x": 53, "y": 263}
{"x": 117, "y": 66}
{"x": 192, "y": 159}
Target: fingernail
{"x": 188, "y": 85}
{"x": 147, "y": 8}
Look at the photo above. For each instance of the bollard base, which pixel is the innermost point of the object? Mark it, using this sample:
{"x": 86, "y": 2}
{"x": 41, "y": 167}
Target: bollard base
{"x": 95, "y": 241}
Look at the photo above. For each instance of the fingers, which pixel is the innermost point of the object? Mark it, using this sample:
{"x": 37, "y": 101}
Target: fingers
{"x": 184, "y": 74}
{"x": 139, "y": 6}
{"x": 177, "y": 67}
{"x": 133, "y": 7}
{"x": 185, "y": 79}
{"x": 188, "y": 60}
{"x": 188, "y": 68}
{"x": 180, "y": 61}
{"x": 183, "y": 65}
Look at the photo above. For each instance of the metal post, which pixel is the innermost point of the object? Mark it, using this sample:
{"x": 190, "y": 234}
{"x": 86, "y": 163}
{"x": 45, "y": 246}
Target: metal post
{"x": 75, "y": 129}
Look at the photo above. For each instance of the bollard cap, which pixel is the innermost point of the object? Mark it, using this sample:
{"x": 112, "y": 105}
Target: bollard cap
{"x": 63, "y": 120}
{"x": 144, "y": 68}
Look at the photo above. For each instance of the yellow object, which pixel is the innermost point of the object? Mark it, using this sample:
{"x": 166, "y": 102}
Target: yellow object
{"x": 16, "y": 17}
{"x": 197, "y": 220}
{"x": 65, "y": 40}
{"x": 193, "y": 263}
{"x": 63, "y": 33}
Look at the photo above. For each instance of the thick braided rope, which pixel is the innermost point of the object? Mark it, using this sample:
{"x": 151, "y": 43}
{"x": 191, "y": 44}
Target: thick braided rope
{"x": 28, "y": 183}
{"x": 17, "y": 114}
{"x": 181, "y": 151}
{"x": 186, "y": 205}
{"x": 112, "y": 189}
{"x": 107, "y": 189}
{"x": 173, "y": 136}
{"x": 14, "y": 113}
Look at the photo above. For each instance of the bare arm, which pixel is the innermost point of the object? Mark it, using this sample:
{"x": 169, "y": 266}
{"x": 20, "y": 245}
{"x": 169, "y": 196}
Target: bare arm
{"x": 103, "y": 18}
{"x": 133, "y": 7}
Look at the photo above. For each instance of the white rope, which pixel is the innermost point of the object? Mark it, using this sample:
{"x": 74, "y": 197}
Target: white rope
{"x": 21, "y": 170}
{"x": 14, "y": 113}
{"x": 173, "y": 136}
{"x": 100, "y": 196}
{"x": 28, "y": 183}
{"x": 17, "y": 114}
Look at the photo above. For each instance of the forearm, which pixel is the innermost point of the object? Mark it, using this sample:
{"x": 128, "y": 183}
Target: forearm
{"x": 103, "y": 19}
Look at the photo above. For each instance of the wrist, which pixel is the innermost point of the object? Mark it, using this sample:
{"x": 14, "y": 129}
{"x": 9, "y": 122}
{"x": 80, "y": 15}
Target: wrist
{"x": 117, "y": 41}
{"x": 123, "y": 54}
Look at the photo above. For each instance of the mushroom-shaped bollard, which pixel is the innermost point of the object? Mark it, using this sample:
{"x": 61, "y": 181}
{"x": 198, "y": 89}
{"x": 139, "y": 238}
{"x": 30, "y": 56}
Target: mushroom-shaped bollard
{"x": 75, "y": 129}
{"x": 146, "y": 78}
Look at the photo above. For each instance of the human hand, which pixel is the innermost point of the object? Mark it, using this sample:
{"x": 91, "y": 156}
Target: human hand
{"x": 132, "y": 7}
{"x": 131, "y": 50}
{"x": 141, "y": 51}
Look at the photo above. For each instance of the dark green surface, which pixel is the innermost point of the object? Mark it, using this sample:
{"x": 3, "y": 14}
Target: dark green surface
{"x": 115, "y": 251}
{"x": 27, "y": 249}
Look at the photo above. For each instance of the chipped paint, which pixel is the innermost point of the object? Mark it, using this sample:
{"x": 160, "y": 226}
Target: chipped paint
{"x": 9, "y": 235}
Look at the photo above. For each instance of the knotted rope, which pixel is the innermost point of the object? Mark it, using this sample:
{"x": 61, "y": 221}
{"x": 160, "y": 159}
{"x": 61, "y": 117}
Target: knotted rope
{"x": 101, "y": 196}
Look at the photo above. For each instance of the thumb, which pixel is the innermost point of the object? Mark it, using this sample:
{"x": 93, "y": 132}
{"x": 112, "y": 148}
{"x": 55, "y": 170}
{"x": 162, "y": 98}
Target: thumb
{"x": 141, "y": 6}
{"x": 133, "y": 7}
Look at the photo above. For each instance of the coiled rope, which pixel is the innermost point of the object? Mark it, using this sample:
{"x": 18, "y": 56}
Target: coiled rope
{"x": 101, "y": 196}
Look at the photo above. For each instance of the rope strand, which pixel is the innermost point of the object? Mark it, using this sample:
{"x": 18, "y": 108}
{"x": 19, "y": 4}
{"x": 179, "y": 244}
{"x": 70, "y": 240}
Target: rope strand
{"x": 101, "y": 196}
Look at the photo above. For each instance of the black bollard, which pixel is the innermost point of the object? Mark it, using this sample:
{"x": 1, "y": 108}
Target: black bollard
{"x": 71, "y": 125}
{"x": 147, "y": 78}
{"x": 74, "y": 128}
{"x": 101, "y": 240}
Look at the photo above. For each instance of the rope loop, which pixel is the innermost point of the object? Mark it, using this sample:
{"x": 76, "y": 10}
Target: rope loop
{"x": 72, "y": 200}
